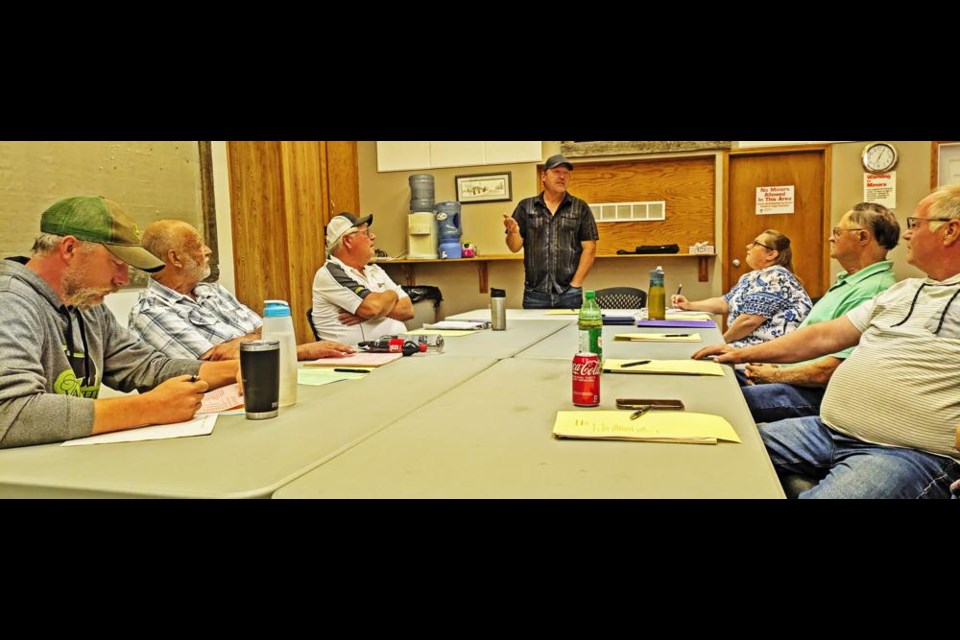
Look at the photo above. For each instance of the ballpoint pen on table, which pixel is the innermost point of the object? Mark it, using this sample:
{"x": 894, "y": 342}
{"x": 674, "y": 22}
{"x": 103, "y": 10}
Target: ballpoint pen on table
{"x": 676, "y": 335}
{"x": 338, "y": 370}
{"x": 639, "y": 412}
{"x": 634, "y": 364}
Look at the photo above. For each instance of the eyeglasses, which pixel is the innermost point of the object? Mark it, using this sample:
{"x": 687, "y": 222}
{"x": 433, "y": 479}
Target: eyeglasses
{"x": 838, "y": 230}
{"x": 913, "y": 222}
{"x": 365, "y": 231}
{"x": 757, "y": 243}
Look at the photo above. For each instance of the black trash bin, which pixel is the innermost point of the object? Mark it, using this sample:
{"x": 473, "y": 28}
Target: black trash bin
{"x": 426, "y": 301}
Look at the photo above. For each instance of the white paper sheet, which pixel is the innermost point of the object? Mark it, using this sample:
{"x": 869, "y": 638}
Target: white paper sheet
{"x": 199, "y": 426}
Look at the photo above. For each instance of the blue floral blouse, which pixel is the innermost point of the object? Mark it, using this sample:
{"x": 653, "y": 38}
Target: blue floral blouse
{"x": 773, "y": 293}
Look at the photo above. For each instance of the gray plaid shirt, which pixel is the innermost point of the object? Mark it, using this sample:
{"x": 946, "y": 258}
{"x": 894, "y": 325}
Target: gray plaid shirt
{"x": 551, "y": 242}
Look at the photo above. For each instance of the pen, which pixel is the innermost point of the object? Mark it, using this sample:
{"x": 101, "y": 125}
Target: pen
{"x": 634, "y": 364}
{"x": 680, "y": 288}
{"x": 639, "y": 412}
{"x": 352, "y": 370}
{"x": 676, "y": 335}
{"x": 194, "y": 378}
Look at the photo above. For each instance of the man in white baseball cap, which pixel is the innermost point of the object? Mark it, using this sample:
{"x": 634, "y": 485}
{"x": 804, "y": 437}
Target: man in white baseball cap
{"x": 354, "y": 300}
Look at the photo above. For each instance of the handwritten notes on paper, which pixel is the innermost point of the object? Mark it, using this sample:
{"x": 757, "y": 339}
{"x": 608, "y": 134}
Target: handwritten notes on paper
{"x": 674, "y": 367}
{"x": 659, "y": 337}
{"x": 199, "y": 426}
{"x": 222, "y": 399}
{"x": 653, "y": 426}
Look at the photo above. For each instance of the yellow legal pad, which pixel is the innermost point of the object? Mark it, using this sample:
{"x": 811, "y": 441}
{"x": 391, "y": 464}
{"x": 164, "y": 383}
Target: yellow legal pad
{"x": 659, "y": 337}
{"x": 677, "y": 367}
{"x": 687, "y": 315}
{"x": 653, "y": 426}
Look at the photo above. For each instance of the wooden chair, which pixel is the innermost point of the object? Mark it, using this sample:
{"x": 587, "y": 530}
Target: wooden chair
{"x": 621, "y": 298}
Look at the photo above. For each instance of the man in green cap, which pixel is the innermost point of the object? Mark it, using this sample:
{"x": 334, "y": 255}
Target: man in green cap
{"x": 59, "y": 343}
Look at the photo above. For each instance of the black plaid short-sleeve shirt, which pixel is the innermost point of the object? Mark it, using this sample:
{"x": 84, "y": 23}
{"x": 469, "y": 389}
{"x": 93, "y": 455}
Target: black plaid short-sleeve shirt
{"x": 551, "y": 243}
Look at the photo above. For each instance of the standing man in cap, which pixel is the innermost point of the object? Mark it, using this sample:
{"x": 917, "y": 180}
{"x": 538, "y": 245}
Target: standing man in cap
{"x": 559, "y": 237}
{"x": 184, "y": 317}
{"x": 58, "y": 342}
{"x": 354, "y": 300}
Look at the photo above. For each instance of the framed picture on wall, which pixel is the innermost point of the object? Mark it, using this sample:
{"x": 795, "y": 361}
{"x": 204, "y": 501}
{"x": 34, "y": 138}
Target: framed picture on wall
{"x": 483, "y": 187}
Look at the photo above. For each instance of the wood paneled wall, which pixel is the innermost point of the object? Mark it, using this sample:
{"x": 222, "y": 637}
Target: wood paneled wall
{"x": 280, "y": 194}
{"x": 688, "y": 185}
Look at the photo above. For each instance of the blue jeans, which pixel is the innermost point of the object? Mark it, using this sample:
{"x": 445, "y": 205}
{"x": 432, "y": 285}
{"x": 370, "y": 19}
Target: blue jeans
{"x": 572, "y": 298}
{"x": 776, "y": 401}
{"x": 851, "y": 468}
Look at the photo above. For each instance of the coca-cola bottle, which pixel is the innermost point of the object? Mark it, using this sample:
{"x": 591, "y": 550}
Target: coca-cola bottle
{"x": 391, "y": 344}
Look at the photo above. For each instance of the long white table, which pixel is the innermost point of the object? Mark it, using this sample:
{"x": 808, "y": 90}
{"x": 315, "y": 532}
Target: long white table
{"x": 563, "y": 344}
{"x": 242, "y": 458}
{"x": 488, "y": 343}
{"x": 491, "y": 437}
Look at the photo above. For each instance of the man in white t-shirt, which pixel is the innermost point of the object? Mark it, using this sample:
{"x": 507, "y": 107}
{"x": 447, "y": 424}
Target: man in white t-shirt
{"x": 887, "y": 421}
{"x": 354, "y": 300}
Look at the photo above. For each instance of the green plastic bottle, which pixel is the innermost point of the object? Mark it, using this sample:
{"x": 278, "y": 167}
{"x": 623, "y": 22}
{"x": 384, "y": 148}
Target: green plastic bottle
{"x": 590, "y": 325}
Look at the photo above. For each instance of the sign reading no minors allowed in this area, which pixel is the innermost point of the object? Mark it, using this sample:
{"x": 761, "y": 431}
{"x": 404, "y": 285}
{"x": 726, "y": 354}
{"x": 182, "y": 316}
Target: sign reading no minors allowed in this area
{"x": 881, "y": 188}
{"x": 775, "y": 200}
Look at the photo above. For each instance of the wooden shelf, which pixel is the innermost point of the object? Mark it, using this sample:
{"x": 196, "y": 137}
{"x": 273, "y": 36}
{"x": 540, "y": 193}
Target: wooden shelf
{"x": 409, "y": 270}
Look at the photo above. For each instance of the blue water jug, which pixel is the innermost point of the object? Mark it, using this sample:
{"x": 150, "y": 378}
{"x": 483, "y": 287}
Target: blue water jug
{"x": 448, "y": 221}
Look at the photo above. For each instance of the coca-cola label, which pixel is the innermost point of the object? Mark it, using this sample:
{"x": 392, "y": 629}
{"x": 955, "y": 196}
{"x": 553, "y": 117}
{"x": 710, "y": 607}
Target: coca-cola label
{"x": 395, "y": 346}
{"x": 586, "y": 380}
{"x": 586, "y": 366}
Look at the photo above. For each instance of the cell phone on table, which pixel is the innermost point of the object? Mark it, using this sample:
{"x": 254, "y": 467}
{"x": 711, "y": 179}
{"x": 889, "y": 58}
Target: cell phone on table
{"x": 633, "y": 403}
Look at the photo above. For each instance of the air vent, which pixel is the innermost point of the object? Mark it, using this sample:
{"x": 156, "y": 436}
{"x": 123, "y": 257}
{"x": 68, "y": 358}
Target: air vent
{"x": 629, "y": 211}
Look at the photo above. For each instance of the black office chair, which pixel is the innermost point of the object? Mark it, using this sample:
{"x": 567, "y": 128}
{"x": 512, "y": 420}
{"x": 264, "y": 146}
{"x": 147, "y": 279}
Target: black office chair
{"x": 310, "y": 322}
{"x": 622, "y": 298}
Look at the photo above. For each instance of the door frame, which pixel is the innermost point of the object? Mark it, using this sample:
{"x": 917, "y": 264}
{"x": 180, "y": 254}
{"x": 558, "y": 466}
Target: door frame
{"x": 826, "y": 150}
{"x": 935, "y": 160}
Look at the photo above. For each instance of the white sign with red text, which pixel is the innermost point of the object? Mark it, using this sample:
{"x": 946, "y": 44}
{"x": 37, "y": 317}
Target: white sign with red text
{"x": 881, "y": 188}
{"x": 772, "y": 200}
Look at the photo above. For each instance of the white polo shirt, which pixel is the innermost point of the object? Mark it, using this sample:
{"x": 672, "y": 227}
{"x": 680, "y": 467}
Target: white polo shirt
{"x": 339, "y": 286}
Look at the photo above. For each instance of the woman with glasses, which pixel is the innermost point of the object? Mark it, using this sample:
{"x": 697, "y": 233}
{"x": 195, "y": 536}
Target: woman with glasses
{"x": 767, "y": 302}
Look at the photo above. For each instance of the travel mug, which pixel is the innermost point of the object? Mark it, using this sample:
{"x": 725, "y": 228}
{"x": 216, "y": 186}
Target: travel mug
{"x": 498, "y": 309}
{"x": 260, "y": 370}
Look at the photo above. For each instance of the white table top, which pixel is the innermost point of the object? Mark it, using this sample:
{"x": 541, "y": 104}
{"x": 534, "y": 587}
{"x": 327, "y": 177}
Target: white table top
{"x": 515, "y": 338}
{"x": 242, "y": 458}
{"x": 491, "y": 437}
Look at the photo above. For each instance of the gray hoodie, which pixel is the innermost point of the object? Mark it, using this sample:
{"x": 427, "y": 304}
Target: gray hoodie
{"x": 54, "y": 359}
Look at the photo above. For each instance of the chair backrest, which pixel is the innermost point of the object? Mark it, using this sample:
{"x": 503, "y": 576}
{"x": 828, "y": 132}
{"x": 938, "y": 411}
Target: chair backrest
{"x": 310, "y": 322}
{"x": 622, "y": 298}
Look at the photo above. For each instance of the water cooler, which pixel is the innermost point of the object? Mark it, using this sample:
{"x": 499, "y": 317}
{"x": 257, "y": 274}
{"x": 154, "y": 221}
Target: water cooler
{"x": 421, "y": 223}
{"x": 448, "y": 229}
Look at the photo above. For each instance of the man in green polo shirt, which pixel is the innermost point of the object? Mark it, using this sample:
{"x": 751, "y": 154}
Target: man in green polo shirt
{"x": 859, "y": 243}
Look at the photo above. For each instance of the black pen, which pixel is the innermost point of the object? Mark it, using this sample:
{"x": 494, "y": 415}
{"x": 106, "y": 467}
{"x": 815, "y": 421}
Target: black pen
{"x": 634, "y": 364}
{"x": 352, "y": 370}
{"x": 194, "y": 378}
{"x": 676, "y": 335}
